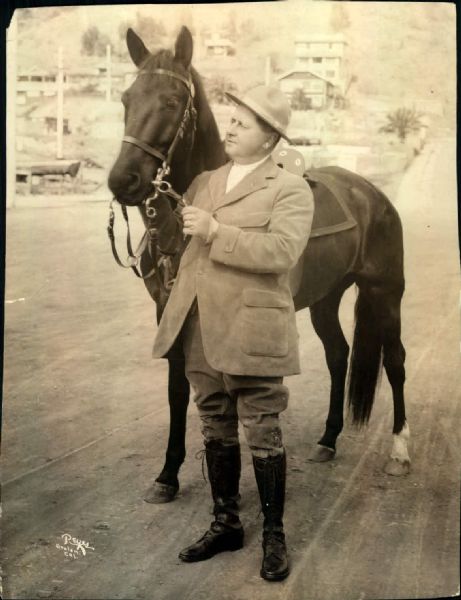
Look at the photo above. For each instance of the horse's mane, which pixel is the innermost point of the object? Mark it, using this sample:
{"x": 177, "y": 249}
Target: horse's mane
{"x": 208, "y": 138}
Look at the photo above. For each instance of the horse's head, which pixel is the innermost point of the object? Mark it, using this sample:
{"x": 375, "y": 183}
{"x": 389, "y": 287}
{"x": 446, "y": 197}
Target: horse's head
{"x": 158, "y": 104}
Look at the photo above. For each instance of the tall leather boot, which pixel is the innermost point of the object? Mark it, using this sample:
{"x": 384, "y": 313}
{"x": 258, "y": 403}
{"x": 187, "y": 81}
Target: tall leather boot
{"x": 226, "y": 531}
{"x": 270, "y": 476}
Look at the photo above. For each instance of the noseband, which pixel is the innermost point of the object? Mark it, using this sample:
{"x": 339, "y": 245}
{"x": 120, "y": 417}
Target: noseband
{"x": 149, "y": 239}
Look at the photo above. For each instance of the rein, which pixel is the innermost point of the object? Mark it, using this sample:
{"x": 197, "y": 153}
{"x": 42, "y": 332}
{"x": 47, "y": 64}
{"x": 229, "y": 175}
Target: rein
{"x": 150, "y": 237}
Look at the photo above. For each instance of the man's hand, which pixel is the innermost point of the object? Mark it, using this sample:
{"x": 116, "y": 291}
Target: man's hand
{"x": 198, "y": 222}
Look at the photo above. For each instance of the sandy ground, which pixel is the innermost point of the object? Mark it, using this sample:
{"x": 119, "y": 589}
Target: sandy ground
{"x": 86, "y": 422}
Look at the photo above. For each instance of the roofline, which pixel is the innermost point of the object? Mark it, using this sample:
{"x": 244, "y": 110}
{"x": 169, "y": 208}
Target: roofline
{"x": 304, "y": 71}
{"x": 320, "y": 37}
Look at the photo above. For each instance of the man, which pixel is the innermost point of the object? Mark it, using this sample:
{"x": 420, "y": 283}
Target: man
{"x": 249, "y": 222}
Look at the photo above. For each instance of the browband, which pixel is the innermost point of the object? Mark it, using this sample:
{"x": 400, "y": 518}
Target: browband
{"x": 187, "y": 82}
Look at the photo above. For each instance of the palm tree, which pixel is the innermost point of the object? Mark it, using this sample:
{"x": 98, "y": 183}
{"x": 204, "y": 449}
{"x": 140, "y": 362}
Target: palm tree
{"x": 402, "y": 121}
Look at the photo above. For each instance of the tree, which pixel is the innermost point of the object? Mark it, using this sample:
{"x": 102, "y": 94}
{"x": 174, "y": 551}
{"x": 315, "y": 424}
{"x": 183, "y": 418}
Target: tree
{"x": 229, "y": 28}
{"x": 94, "y": 42}
{"x": 402, "y": 121}
{"x": 149, "y": 30}
{"x": 339, "y": 19}
{"x": 248, "y": 32}
{"x": 216, "y": 86}
{"x": 299, "y": 100}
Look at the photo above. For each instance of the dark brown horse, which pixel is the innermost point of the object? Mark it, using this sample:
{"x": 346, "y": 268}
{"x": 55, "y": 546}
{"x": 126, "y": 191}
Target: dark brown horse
{"x": 169, "y": 126}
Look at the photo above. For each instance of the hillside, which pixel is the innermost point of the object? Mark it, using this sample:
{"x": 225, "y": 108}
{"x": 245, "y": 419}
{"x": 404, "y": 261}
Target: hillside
{"x": 399, "y": 50}
{"x": 404, "y": 49}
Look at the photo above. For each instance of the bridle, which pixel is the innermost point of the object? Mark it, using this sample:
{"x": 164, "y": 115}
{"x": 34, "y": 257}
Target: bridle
{"x": 189, "y": 114}
{"x": 161, "y": 187}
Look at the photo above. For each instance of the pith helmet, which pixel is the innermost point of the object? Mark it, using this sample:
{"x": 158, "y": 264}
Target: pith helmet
{"x": 270, "y": 104}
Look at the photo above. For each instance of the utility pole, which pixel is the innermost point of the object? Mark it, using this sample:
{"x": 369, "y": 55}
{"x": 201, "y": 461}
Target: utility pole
{"x": 11, "y": 78}
{"x": 109, "y": 74}
{"x": 60, "y": 106}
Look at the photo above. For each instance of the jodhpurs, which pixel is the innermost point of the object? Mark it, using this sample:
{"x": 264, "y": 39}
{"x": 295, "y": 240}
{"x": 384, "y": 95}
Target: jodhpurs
{"x": 222, "y": 399}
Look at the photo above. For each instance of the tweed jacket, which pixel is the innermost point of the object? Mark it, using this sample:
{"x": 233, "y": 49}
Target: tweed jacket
{"x": 241, "y": 278}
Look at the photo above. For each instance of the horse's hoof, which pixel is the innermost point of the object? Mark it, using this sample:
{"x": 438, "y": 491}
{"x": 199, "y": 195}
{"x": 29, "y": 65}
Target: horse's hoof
{"x": 397, "y": 467}
{"x": 321, "y": 454}
{"x": 160, "y": 493}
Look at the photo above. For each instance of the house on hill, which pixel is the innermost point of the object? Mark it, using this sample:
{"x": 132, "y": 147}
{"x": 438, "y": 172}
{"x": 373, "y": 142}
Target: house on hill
{"x": 35, "y": 83}
{"x": 93, "y": 76}
{"x": 324, "y": 55}
{"x": 218, "y": 46}
{"x": 317, "y": 91}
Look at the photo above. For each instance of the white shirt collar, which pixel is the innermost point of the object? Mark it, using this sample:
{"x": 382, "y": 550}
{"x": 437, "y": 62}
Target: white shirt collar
{"x": 238, "y": 172}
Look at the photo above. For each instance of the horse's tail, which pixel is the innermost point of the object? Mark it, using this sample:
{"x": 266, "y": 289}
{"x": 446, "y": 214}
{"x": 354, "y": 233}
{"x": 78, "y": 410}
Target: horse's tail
{"x": 366, "y": 361}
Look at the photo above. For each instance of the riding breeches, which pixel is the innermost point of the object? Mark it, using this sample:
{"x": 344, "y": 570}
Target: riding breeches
{"x": 223, "y": 400}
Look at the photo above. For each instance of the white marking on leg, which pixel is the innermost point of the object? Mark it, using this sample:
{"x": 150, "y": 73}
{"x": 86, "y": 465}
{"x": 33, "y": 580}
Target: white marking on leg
{"x": 400, "y": 445}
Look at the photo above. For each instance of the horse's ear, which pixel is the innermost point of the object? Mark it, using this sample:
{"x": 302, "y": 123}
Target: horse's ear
{"x": 136, "y": 48}
{"x": 183, "y": 47}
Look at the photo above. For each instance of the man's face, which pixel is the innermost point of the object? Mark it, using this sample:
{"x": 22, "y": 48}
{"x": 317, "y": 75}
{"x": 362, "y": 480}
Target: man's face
{"x": 244, "y": 137}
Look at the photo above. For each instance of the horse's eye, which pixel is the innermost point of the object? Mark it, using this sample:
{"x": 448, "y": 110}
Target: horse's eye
{"x": 172, "y": 103}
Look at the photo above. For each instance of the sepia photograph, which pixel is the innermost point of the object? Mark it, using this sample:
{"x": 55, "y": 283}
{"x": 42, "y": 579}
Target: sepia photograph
{"x": 232, "y": 292}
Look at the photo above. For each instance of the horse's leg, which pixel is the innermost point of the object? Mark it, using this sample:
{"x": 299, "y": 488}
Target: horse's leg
{"x": 166, "y": 486}
{"x": 386, "y": 304}
{"x": 325, "y": 319}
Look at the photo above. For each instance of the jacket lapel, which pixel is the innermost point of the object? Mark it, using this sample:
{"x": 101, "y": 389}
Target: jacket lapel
{"x": 217, "y": 182}
{"x": 255, "y": 180}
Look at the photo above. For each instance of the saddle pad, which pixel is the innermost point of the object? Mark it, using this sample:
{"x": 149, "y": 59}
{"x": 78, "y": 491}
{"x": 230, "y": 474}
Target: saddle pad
{"x": 331, "y": 211}
{"x": 331, "y": 214}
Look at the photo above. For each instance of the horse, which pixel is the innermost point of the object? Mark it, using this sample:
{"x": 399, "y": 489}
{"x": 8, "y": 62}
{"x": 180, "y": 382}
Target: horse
{"x": 170, "y": 132}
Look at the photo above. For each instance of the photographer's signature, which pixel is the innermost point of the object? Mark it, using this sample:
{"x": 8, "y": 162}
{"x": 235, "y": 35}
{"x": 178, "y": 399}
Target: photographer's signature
{"x": 73, "y": 547}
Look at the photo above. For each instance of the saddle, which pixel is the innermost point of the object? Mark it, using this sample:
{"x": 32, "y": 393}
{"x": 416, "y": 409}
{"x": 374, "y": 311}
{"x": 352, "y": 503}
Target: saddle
{"x": 331, "y": 213}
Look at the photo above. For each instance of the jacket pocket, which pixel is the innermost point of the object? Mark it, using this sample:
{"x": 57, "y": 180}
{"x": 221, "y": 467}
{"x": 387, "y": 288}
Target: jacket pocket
{"x": 264, "y": 323}
{"x": 254, "y": 219}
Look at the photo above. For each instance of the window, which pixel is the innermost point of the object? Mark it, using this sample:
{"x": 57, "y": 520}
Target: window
{"x": 317, "y": 59}
{"x": 36, "y": 78}
{"x": 23, "y": 78}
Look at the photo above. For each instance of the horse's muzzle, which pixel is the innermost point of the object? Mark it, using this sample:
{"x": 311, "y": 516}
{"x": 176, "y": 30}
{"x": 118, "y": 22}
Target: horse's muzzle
{"x": 127, "y": 187}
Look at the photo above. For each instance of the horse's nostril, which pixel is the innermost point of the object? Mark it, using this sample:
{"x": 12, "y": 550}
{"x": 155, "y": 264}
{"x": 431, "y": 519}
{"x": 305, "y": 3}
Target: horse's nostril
{"x": 133, "y": 181}
{"x": 126, "y": 185}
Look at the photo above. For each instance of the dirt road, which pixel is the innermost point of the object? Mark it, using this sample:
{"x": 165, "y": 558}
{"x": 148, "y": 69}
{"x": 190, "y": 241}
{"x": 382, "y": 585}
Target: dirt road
{"x": 86, "y": 421}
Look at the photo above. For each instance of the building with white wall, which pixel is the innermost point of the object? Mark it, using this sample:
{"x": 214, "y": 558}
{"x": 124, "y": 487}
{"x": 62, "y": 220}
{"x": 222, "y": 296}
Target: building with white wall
{"x": 323, "y": 55}
{"x": 318, "y": 92}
